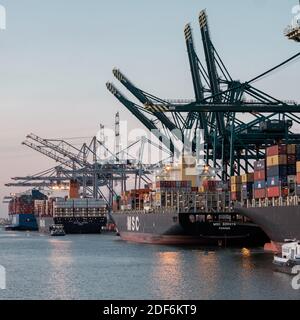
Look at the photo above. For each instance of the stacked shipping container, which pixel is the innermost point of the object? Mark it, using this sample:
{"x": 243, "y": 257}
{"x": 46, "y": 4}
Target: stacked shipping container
{"x": 275, "y": 176}
{"x": 247, "y": 186}
{"x": 79, "y": 207}
{"x": 24, "y": 203}
{"x": 44, "y": 208}
{"x": 259, "y": 179}
{"x": 276, "y": 157}
{"x": 134, "y": 199}
{"x": 236, "y": 187}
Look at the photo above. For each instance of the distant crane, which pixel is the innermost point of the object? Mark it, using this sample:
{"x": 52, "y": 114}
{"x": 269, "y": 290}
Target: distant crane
{"x": 83, "y": 166}
{"x": 292, "y": 32}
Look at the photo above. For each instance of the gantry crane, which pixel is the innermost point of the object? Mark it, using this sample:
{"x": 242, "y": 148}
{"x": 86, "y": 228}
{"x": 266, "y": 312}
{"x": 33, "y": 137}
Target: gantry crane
{"x": 83, "y": 166}
{"x": 231, "y": 143}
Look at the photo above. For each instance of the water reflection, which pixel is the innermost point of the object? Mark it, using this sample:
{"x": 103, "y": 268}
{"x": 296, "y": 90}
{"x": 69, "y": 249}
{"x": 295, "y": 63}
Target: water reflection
{"x": 176, "y": 275}
{"x": 99, "y": 267}
{"x": 167, "y": 274}
{"x": 60, "y": 269}
{"x": 209, "y": 271}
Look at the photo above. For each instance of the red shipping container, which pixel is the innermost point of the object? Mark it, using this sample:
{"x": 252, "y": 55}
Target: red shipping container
{"x": 235, "y": 196}
{"x": 209, "y": 185}
{"x": 275, "y": 192}
{"x": 259, "y": 193}
{"x": 276, "y": 150}
{"x": 260, "y": 175}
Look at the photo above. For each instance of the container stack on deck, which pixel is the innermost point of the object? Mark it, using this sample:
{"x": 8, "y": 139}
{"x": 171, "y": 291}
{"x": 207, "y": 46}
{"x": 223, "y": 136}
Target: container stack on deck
{"x": 259, "y": 179}
{"x": 247, "y": 186}
{"x": 235, "y": 186}
{"x": 276, "y": 171}
{"x": 44, "y": 208}
{"x": 278, "y": 175}
{"x": 134, "y": 199}
{"x": 298, "y": 170}
{"x": 21, "y": 210}
{"x": 79, "y": 208}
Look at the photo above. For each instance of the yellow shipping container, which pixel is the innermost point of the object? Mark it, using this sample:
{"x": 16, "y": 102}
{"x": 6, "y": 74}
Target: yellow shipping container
{"x": 276, "y": 160}
{"x": 236, "y": 187}
{"x": 236, "y": 179}
{"x": 201, "y": 189}
{"x": 249, "y": 177}
{"x": 298, "y": 166}
{"x": 291, "y": 149}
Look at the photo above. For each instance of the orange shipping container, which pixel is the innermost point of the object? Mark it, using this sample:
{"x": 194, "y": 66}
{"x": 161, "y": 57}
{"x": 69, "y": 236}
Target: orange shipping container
{"x": 298, "y": 166}
{"x": 236, "y": 179}
{"x": 259, "y": 193}
{"x": 276, "y": 150}
{"x": 236, "y": 187}
{"x": 298, "y": 178}
{"x": 291, "y": 149}
{"x": 249, "y": 177}
{"x": 235, "y": 196}
{"x": 276, "y": 160}
{"x": 259, "y": 175}
{"x": 275, "y": 192}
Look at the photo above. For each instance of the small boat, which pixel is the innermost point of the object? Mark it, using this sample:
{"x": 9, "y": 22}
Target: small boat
{"x": 289, "y": 258}
{"x": 57, "y": 230}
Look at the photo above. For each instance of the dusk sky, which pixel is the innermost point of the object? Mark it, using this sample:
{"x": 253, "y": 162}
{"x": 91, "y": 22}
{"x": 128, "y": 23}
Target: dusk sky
{"x": 56, "y": 56}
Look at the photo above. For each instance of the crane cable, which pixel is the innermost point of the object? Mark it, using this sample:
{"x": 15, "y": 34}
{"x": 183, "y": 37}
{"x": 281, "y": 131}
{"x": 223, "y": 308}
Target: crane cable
{"x": 274, "y": 68}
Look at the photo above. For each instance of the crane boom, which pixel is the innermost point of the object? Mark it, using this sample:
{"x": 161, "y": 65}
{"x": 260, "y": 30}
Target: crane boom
{"x": 139, "y": 115}
{"x": 49, "y": 154}
{"x": 72, "y": 156}
{"x": 211, "y": 66}
{"x": 143, "y": 99}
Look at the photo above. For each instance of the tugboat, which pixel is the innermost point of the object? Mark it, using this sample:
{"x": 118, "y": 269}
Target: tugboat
{"x": 57, "y": 230}
{"x": 288, "y": 258}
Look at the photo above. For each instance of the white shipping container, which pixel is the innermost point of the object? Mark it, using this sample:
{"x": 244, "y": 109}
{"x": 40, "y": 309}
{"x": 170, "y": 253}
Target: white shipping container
{"x": 292, "y": 179}
{"x": 93, "y": 203}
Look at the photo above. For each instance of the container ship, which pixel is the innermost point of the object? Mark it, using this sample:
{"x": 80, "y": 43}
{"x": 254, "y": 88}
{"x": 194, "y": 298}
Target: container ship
{"x": 34, "y": 211}
{"x": 83, "y": 216}
{"x": 21, "y": 211}
{"x": 78, "y": 216}
{"x": 177, "y": 212}
{"x": 275, "y": 204}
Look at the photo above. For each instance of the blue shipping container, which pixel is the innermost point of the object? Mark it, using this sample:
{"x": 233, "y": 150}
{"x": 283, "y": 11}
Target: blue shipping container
{"x": 276, "y": 181}
{"x": 277, "y": 171}
{"x": 259, "y": 184}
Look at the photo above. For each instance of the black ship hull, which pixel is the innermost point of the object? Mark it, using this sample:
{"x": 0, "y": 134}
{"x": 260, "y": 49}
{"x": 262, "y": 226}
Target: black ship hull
{"x": 82, "y": 225}
{"x": 187, "y": 229}
{"x": 279, "y": 223}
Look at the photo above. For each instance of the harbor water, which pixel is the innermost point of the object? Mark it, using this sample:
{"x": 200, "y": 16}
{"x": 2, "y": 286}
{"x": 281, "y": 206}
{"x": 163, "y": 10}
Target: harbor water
{"x": 105, "y": 267}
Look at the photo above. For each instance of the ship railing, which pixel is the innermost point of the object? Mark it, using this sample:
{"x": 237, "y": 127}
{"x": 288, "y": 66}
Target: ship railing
{"x": 210, "y": 202}
{"x": 78, "y": 215}
{"x": 292, "y": 200}
{"x": 163, "y": 210}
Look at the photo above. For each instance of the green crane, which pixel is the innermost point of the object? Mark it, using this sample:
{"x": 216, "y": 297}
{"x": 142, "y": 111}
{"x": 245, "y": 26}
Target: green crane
{"x": 231, "y": 142}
